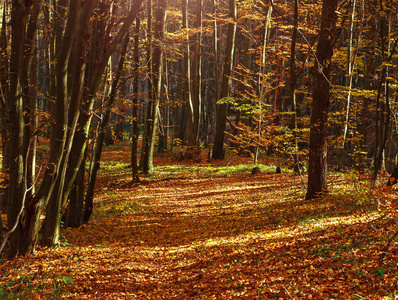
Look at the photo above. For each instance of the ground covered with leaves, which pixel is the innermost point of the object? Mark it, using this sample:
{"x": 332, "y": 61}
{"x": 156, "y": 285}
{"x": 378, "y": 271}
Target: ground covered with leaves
{"x": 211, "y": 230}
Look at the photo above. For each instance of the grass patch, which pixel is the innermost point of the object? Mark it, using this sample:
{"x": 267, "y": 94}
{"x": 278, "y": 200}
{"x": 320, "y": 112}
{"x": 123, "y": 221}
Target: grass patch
{"x": 209, "y": 171}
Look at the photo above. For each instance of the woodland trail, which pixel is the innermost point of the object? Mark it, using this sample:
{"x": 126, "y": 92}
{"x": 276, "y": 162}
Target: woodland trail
{"x": 192, "y": 234}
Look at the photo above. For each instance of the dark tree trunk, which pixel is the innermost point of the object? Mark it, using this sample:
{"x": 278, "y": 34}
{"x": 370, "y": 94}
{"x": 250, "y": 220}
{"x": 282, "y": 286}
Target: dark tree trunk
{"x": 197, "y": 75}
{"x": 153, "y": 105}
{"x": 187, "y": 98}
{"x": 317, "y": 171}
{"x": 383, "y": 112}
{"x": 222, "y": 109}
{"x": 146, "y": 160}
{"x": 16, "y": 201}
{"x": 293, "y": 81}
{"x": 135, "y": 132}
{"x": 75, "y": 210}
{"x": 4, "y": 75}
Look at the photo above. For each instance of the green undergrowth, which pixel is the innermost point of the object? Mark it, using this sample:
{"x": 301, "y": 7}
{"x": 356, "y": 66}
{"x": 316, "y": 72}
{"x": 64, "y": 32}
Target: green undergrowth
{"x": 208, "y": 171}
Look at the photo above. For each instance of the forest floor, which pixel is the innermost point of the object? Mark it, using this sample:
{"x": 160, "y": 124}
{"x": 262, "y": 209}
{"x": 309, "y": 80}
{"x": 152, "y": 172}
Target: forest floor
{"x": 211, "y": 230}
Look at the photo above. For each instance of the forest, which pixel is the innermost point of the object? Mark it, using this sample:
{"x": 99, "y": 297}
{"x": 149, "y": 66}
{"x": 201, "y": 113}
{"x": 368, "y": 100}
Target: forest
{"x": 216, "y": 149}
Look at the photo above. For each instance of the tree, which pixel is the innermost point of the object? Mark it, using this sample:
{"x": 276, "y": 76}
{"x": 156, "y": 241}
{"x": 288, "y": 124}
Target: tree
{"x": 189, "y": 130}
{"x": 197, "y": 75}
{"x": 293, "y": 83}
{"x": 317, "y": 170}
{"x": 135, "y": 129}
{"x": 222, "y": 108}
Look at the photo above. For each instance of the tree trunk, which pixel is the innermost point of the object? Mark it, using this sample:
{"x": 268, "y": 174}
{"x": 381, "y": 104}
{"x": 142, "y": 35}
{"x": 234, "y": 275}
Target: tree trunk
{"x": 370, "y": 68}
{"x": 157, "y": 62}
{"x": 261, "y": 87}
{"x": 317, "y": 171}
{"x": 351, "y": 57}
{"x": 383, "y": 116}
{"x": 75, "y": 210}
{"x": 188, "y": 102}
{"x": 216, "y": 74}
{"x": 146, "y": 160}
{"x": 197, "y": 76}
{"x": 135, "y": 129}
{"x": 293, "y": 82}
{"x": 164, "y": 109}
{"x": 4, "y": 75}
{"x": 16, "y": 201}
{"x": 30, "y": 91}
{"x": 222, "y": 109}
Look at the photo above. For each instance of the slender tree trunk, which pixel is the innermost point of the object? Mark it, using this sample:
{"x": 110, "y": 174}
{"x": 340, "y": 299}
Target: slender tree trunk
{"x": 247, "y": 62}
{"x": 164, "y": 108}
{"x": 383, "y": 116}
{"x": 369, "y": 71}
{"x": 180, "y": 94}
{"x": 351, "y": 62}
{"x": 293, "y": 83}
{"x": 146, "y": 161}
{"x": 189, "y": 129}
{"x": 153, "y": 104}
{"x": 4, "y": 75}
{"x": 317, "y": 171}
{"x": 30, "y": 90}
{"x": 135, "y": 132}
{"x": 197, "y": 76}
{"x": 75, "y": 210}
{"x": 222, "y": 109}
{"x": 260, "y": 84}
{"x": 3, "y": 110}
{"x": 216, "y": 62}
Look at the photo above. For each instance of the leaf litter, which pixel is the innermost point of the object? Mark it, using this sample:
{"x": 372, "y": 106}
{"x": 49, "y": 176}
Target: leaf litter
{"x": 193, "y": 235}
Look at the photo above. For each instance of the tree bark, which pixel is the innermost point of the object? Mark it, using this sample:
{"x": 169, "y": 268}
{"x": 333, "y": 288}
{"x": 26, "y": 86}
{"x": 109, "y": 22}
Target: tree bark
{"x": 383, "y": 113}
{"x": 135, "y": 129}
{"x": 189, "y": 128}
{"x": 222, "y": 109}
{"x": 197, "y": 75}
{"x": 370, "y": 68}
{"x": 4, "y": 75}
{"x": 146, "y": 163}
{"x": 157, "y": 62}
{"x": 317, "y": 170}
{"x": 16, "y": 127}
{"x": 351, "y": 57}
{"x": 293, "y": 82}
